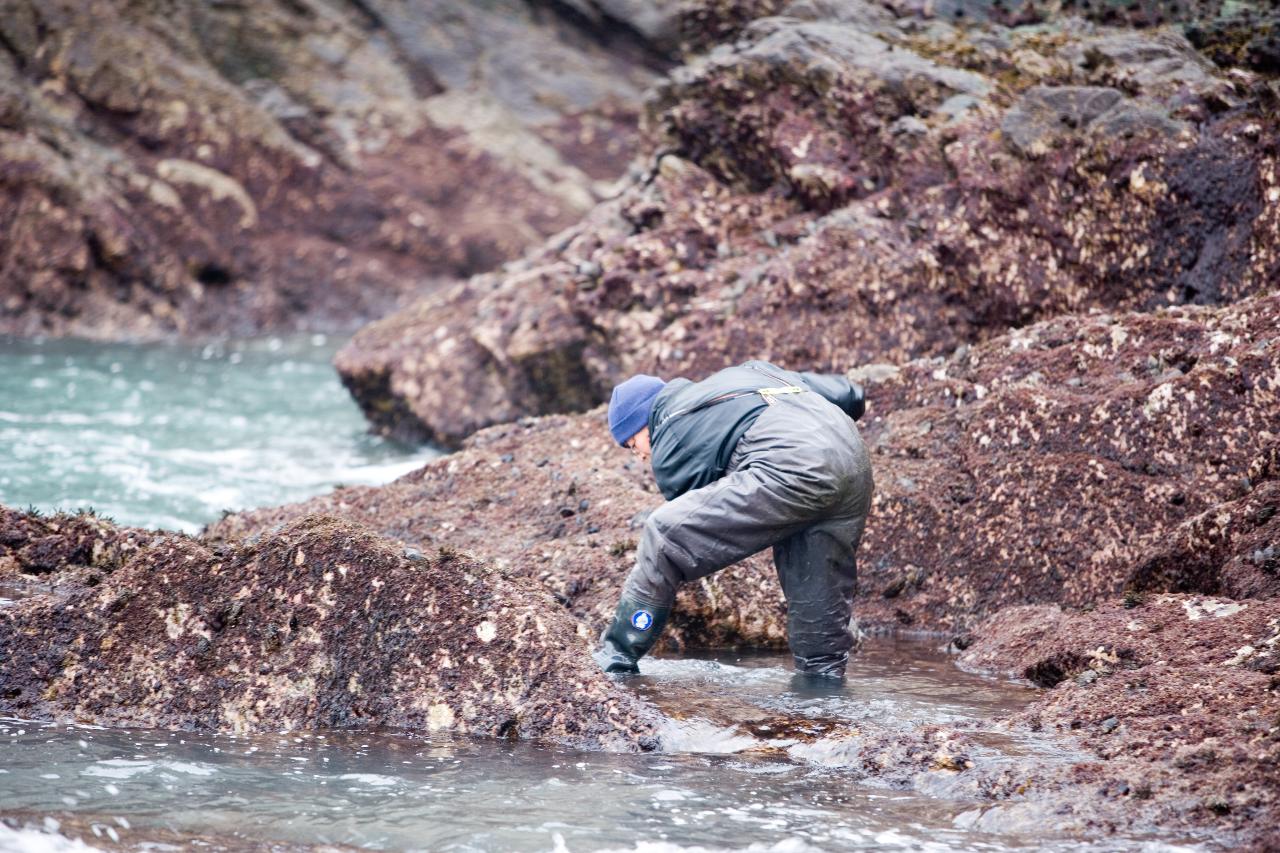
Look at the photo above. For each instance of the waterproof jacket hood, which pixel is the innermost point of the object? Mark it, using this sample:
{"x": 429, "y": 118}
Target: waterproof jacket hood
{"x": 695, "y": 426}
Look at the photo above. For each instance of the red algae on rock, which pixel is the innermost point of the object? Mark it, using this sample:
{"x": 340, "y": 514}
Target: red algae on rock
{"x": 834, "y": 188}
{"x": 322, "y": 624}
{"x": 185, "y": 168}
{"x": 554, "y": 500}
{"x": 1177, "y": 696}
{"x": 1049, "y": 464}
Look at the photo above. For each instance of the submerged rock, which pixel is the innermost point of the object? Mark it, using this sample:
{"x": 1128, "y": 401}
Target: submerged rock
{"x": 321, "y": 624}
{"x": 186, "y": 167}
{"x": 838, "y": 186}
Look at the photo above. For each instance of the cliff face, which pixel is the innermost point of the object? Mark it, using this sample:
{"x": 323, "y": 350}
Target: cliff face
{"x": 168, "y": 633}
{"x": 839, "y": 185}
{"x": 194, "y": 168}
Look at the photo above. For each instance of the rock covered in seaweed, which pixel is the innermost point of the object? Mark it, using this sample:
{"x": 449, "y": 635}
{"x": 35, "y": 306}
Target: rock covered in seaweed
{"x": 1231, "y": 549}
{"x": 838, "y": 186}
{"x": 1056, "y": 463}
{"x": 322, "y": 624}
{"x": 1177, "y": 696}
{"x": 232, "y": 168}
{"x": 556, "y": 500}
{"x": 1064, "y": 462}
{"x": 81, "y": 548}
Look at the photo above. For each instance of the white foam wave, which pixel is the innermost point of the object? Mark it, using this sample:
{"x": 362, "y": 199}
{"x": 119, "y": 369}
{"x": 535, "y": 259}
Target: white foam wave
{"x": 704, "y": 737}
{"x": 118, "y": 768}
{"x": 373, "y": 779}
{"x": 29, "y": 840}
{"x": 123, "y": 768}
{"x": 787, "y": 845}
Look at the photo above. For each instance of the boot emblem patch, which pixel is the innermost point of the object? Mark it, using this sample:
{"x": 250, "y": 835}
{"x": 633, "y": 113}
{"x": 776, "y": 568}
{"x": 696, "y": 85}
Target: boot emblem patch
{"x": 641, "y": 620}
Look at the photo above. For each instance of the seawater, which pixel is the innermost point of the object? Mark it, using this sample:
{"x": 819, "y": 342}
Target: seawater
{"x": 171, "y": 436}
{"x": 715, "y": 789}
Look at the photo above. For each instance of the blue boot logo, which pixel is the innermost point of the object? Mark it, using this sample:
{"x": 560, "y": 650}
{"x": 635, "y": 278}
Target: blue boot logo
{"x": 641, "y": 620}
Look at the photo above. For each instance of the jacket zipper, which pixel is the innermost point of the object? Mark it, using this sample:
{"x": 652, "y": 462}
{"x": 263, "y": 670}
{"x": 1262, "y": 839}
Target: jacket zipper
{"x": 723, "y": 398}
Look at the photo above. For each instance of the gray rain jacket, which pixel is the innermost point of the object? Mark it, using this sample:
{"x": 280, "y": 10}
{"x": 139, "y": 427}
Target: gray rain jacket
{"x": 695, "y": 426}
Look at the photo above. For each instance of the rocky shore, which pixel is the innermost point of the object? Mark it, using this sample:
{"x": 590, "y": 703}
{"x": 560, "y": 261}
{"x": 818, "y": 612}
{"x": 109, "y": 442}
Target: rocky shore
{"x": 162, "y": 631}
{"x": 1176, "y": 698}
{"x": 1088, "y": 504}
{"x": 1047, "y": 245}
{"x": 930, "y": 185}
{"x": 198, "y": 169}
{"x": 1066, "y": 462}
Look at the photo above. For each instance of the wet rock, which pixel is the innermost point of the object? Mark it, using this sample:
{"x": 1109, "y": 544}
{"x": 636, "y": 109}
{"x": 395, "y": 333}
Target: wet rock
{"x": 450, "y": 503}
{"x": 321, "y": 625}
{"x": 1019, "y": 446}
{"x": 1136, "y": 13}
{"x": 808, "y": 74}
{"x": 1227, "y": 550}
{"x": 195, "y": 168}
{"x": 1044, "y": 113}
{"x": 1198, "y": 740}
{"x": 1249, "y": 40}
{"x": 62, "y": 552}
{"x": 819, "y": 196}
{"x": 997, "y": 481}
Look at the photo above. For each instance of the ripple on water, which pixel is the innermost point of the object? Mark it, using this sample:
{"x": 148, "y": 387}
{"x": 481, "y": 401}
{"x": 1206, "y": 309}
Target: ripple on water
{"x": 170, "y": 436}
{"x": 728, "y": 786}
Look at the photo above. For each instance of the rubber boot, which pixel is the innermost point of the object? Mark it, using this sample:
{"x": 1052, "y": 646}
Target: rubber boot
{"x": 635, "y": 628}
{"x": 825, "y": 667}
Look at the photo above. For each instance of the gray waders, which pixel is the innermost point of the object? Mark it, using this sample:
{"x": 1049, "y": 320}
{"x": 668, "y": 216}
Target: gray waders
{"x": 799, "y": 481}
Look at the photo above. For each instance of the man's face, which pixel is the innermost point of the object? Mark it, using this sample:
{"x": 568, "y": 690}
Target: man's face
{"x": 639, "y": 444}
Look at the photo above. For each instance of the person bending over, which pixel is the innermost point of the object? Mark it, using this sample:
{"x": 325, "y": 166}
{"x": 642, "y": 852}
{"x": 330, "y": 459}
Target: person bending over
{"x": 752, "y": 456}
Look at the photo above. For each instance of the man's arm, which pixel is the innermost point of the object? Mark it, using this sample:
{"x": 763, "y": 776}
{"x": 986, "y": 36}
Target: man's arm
{"x": 839, "y": 390}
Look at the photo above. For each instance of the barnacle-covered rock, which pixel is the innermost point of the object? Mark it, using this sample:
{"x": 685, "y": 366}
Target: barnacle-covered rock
{"x": 229, "y": 168}
{"x": 837, "y": 186}
{"x": 320, "y": 624}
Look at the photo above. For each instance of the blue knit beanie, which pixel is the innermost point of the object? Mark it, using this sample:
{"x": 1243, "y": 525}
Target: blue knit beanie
{"x": 630, "y": 405}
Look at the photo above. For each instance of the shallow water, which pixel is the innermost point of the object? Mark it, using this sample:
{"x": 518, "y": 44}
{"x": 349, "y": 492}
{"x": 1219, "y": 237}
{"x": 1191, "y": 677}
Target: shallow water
{"x": 387, "y": 791}
{"x": 170, "y": 436}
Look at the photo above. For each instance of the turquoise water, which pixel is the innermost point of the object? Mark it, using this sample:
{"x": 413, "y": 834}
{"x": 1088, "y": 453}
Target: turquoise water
{"x": 171, "y": 436}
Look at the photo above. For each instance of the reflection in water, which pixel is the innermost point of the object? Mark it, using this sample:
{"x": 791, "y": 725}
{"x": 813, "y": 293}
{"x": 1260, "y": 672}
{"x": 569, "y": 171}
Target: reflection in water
{"x": 717, "y": 790}
{"x": 169, "y": 436}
